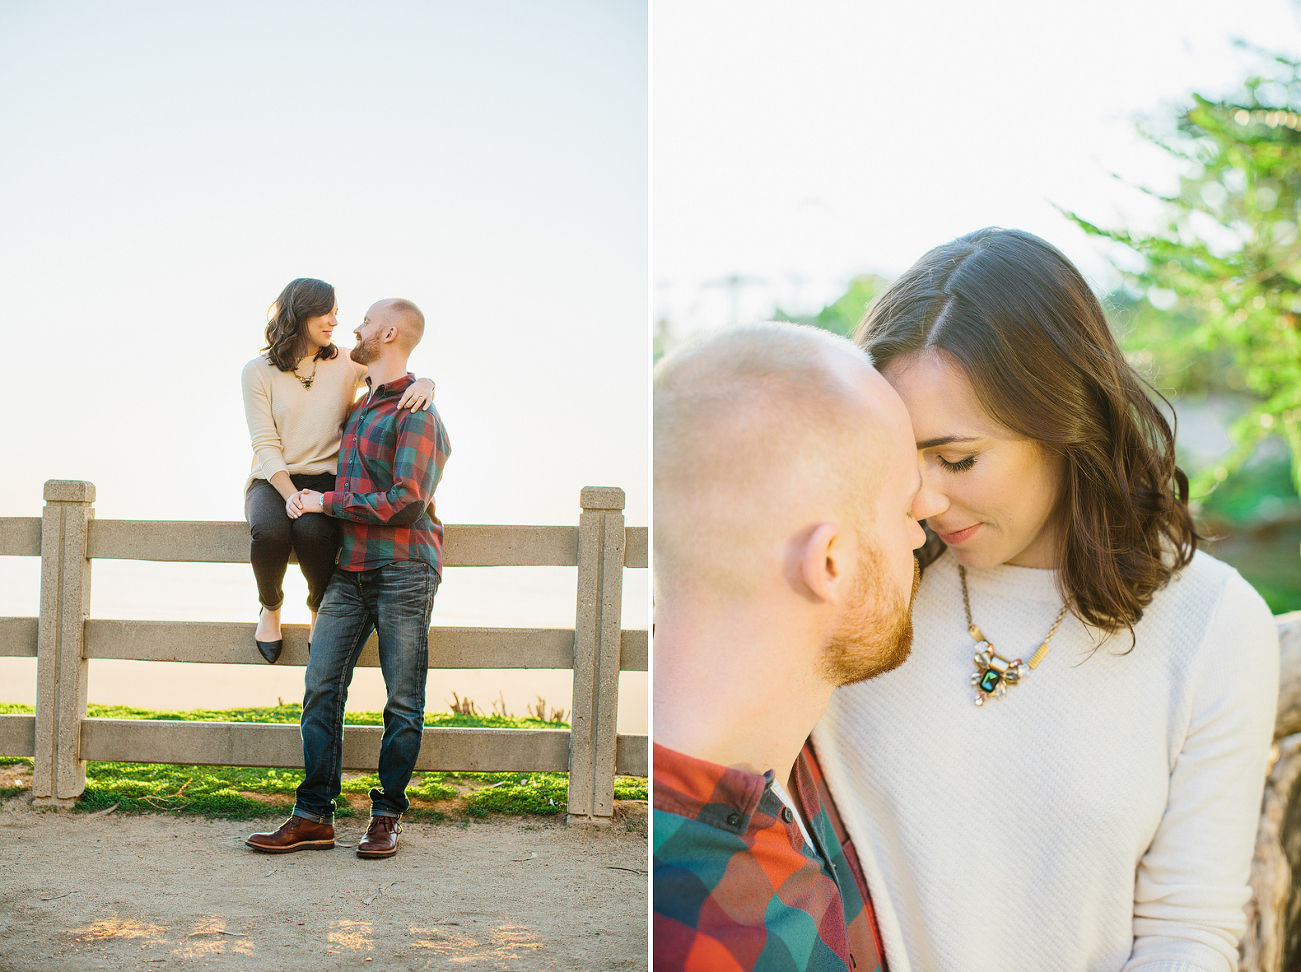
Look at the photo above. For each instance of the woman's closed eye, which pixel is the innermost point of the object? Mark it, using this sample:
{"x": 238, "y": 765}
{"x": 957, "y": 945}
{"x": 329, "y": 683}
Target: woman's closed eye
{"x": 960, "y": 465}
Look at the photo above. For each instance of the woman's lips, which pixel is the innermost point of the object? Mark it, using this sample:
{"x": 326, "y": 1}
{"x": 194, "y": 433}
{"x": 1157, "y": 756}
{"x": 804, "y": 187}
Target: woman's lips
{"x": 952, "y": 539}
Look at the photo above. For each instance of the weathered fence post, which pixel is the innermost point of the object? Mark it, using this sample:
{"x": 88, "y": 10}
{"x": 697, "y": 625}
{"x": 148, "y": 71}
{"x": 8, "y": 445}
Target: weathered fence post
{"x": 594, "y": 719}
{"x": 59, "y": 774}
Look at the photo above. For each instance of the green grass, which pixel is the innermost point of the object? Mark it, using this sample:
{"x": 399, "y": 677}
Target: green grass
{"x": 290, "y": 712}
{"x": 630, "y": 788}
{"x": 240, "y": 792}
{"x": 541, "y": 794}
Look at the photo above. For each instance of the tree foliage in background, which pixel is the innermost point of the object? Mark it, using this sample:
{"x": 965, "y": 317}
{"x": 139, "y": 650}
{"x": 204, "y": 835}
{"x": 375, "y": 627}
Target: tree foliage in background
{"x": 1225, "y": 274}
{"x": 840, "y": 316}
{"x": 662, "y": 339}
{"x": 843, "y": 314}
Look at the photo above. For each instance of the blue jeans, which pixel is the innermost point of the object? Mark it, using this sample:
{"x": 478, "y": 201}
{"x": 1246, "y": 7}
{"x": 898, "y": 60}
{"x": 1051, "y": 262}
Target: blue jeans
{"x": 395, "y": 601}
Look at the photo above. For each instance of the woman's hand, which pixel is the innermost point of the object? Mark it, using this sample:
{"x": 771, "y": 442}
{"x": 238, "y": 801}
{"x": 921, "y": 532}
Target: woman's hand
{"x": 294, "y": 506}
{"x": 419, "y": 394}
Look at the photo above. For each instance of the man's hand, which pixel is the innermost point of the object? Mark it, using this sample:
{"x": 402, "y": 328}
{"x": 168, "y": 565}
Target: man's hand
{"x": 309, "y": 501}
{"x": 304, "y": 501}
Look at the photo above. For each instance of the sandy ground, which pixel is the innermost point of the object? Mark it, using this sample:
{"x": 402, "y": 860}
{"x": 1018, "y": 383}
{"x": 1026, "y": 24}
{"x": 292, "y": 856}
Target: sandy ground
{"x": 161, "y": 892}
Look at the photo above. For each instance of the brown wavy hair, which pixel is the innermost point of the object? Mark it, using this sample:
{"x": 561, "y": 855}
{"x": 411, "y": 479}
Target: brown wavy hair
{"x": 302, "y": 299}
{"x": 1025, "y": 328}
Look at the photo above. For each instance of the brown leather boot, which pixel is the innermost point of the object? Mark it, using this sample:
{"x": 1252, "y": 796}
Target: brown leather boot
{"x": 381, "y": 838}
{"x": 296, "y": 833}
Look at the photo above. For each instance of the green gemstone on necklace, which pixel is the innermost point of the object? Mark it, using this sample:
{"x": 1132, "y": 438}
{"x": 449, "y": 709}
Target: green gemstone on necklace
{"x": 989, "y": 681}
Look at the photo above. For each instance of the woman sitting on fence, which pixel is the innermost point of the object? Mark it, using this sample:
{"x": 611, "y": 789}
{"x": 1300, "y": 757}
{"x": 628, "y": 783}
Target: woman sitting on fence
{"x": 297, "y": 394}
{"x": 1096, "y": 807}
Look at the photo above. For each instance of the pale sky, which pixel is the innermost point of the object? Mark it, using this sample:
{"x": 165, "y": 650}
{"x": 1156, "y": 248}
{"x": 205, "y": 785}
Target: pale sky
{"x": 168, "y": 168}
{"x": 801, "y": 144}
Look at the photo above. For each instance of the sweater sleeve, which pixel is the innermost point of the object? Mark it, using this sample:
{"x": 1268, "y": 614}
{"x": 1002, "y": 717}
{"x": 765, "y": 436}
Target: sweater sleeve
{"x": 262, "y": 431}
{"x": 1191, "y": 883}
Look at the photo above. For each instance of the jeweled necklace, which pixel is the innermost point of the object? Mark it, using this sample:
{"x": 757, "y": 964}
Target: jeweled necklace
{"x": 307, "y": 382}
{"x": 994, "y": 673}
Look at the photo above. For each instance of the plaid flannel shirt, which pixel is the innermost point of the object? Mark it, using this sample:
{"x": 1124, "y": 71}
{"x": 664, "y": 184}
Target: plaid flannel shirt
{"x": 390, "y": 462}
{"x": 736, "y": 888}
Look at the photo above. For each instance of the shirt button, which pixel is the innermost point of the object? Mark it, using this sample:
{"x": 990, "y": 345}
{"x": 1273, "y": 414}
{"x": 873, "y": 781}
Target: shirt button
{"x": 787, "y": 815}
{"x": 734, "y": 820}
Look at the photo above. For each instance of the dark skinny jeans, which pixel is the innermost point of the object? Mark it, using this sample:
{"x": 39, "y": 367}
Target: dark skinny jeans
{"x": 314, "y": 537}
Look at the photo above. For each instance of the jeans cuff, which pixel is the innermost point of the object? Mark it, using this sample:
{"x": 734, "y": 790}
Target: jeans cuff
{"x": 384, "y": 813}
{"x": 315, "y": 818}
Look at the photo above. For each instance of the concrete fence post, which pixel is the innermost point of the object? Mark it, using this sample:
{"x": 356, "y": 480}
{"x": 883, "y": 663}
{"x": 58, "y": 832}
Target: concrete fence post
{"x": 59, "y": 774}
{"x": 594, "y": 718}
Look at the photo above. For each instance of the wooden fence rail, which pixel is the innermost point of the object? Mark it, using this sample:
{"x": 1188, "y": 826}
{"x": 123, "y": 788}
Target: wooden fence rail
{"x": 63, "y": 638}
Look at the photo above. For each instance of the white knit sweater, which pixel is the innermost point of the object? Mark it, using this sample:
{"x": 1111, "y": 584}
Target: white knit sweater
{"x": 1100, "y": 816}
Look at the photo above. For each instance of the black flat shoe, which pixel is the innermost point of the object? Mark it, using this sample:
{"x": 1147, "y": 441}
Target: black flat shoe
{"x": 270, "y": 649}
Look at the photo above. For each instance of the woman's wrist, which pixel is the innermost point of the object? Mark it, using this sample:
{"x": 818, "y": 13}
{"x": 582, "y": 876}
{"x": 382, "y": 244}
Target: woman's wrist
{"x": 283, "y": 484}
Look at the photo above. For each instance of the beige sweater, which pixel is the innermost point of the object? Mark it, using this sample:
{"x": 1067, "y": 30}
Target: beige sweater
{"x": 1099, "y": 817}
{"x": 295, "y": 429}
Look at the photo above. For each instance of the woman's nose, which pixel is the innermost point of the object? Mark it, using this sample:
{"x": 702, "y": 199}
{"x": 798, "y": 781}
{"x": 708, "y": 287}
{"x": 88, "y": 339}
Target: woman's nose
{"x": 929, "y": 501}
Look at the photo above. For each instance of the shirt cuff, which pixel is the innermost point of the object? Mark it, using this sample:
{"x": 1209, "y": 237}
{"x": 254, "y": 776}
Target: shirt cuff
{"x": 332, "y": 502}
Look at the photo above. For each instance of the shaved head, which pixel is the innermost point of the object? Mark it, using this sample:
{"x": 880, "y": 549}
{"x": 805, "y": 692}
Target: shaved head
{"x": 405, "y": 316}
{"x": 758, "y": 430}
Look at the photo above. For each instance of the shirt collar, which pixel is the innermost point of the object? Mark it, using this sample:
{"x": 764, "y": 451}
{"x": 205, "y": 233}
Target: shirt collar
{"x": 395, "y": 387}
{"x": 686, "y": 786}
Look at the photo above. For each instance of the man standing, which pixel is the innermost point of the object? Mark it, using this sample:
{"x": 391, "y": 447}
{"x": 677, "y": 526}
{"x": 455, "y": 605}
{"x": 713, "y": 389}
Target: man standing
{"x": 786, "y": 513}
{"x": 388, "y": 568}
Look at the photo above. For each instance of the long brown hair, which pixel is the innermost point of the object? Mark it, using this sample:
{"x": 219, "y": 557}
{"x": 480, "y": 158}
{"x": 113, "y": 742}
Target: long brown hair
{"x": 1023, "y": 325}
{"x": 302, "y": 299}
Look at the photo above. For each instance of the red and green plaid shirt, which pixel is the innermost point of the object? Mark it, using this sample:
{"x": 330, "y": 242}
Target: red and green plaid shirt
{"x": 736, "y": 888}
{"x": 390, "y": 461}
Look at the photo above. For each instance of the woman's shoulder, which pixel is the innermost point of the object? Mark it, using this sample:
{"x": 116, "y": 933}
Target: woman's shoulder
{"x": 257, "y": 369}
{"x": 1207, "y": 579}
{"x": 259, "y": 365}
{"x": 1215, "y": 604}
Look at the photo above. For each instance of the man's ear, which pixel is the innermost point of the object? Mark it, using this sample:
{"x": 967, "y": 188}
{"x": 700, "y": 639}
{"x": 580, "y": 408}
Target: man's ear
{"x": 822, "y": 565}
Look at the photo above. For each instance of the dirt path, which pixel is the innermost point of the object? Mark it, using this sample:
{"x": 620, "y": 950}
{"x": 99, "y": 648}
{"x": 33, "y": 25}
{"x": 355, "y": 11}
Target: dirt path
{"x": 162, "y": 892}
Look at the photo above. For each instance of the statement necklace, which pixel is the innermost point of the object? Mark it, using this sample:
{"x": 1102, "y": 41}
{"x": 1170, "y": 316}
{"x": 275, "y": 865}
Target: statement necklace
{"x": 307, "y": 382}
{"x": 994, "y": 673}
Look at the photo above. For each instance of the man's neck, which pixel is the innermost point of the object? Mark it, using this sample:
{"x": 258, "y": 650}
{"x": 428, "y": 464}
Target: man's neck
{"x": 386, "y": 369}
{"x": 740, "y": 692}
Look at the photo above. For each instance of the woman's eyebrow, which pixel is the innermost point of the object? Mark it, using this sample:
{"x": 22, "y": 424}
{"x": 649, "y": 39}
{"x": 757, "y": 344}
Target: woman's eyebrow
{"x": 945, "y": 440}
